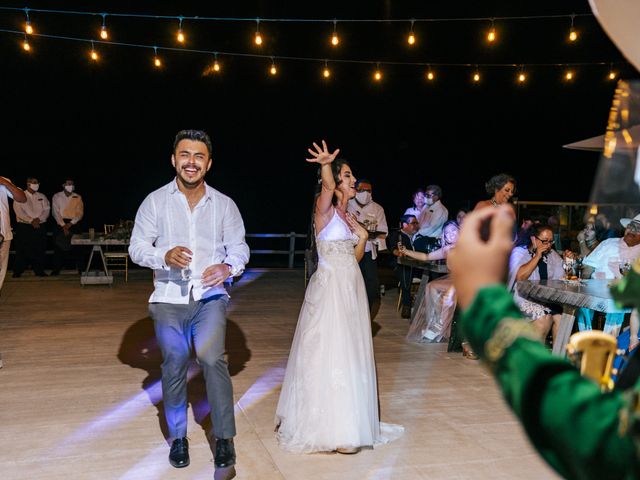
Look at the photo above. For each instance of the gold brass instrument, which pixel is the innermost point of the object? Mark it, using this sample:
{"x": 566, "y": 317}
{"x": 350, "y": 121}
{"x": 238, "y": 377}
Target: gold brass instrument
{"x": 593, "y": 352}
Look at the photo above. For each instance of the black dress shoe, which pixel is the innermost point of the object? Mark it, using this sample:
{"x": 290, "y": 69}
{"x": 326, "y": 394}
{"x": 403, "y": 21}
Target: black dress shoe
{"x": 406, "y": 311}
{"x": 179, "y": 453}
{"x": 225, "y": 453}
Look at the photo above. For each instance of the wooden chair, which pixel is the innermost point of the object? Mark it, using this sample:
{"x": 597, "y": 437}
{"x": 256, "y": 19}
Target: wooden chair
{"x": 116, "y": 260}
{"x": 415, "y": 284}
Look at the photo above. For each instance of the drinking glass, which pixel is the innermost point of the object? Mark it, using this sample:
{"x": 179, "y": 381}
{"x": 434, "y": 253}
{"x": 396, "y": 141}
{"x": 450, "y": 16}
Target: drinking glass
{"x": 625, "y": 267}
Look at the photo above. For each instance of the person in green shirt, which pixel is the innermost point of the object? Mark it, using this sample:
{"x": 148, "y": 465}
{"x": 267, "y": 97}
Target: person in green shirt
{"x": 581, "y": 432}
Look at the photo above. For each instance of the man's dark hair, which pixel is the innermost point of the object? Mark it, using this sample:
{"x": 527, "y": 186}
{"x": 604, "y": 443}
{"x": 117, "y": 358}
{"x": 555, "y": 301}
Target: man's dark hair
{"x": 435, "y": 189}
{"x": 195, "y": 135}
{"x": 407, "y": 218}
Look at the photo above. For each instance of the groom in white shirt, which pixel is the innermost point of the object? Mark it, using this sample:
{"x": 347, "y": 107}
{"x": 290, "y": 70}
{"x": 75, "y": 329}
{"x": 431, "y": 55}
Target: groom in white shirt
{"x": 192, "y": 236}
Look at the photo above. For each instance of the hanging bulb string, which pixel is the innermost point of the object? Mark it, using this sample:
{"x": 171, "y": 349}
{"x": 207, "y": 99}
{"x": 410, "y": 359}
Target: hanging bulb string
{"x": 313, "y": 59}
{"x": 298, "y": 20}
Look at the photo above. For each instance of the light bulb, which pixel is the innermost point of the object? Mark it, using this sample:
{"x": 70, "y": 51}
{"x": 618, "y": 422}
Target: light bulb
{"x": 326, "y": 73}
{"x": 335, "y": 40}
{"x": 411, "y": 39}
{"x": 157, "y": 62}
{"x": 573, "y": 35}
{"x": 273, "y": 70}
{"x": 476, "y": 77}
{"x": 28, "y": 28}
{"x": 569, "y": 75}
{"x": 94, "y": 55}
{"x": 430, "y": 76}
{"x": 26, "y": 47}
{"x": 180, "y": 36}
{"x": 522, "y": 77}
{"x": 612, "y": 75}
{"x": 491, "y": 36}
{"x": 258, "y": 39}
{"x": 216, "y": 66}
{"x": 104, "y": 34}
{"x": 377, "y": 76}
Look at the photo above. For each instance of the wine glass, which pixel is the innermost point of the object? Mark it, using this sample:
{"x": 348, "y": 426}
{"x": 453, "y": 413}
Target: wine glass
{"x": 625, "y": 267}
{"x": 579, "y": 266}
{"x": 567, "y": 265}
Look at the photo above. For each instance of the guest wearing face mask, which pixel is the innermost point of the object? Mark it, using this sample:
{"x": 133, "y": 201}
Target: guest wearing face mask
{"x": 432, "y": 218}
{"x": 31, "y": 235}
{"x": 68, "y": 210}
{"x": 371, "y": 215}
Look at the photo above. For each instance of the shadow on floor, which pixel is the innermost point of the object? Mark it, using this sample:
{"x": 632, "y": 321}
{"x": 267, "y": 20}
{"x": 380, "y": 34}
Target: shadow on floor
{"x": 139, "y": 349}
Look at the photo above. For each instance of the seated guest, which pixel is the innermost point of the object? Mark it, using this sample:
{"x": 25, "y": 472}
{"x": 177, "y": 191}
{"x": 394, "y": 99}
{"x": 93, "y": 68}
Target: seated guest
{"x": 404, "y": 237}
{"x": 537, "y": 261}
{"x": 418, "y": 203}
{"x": 431, "y": 220}
{"x": 587, "y": 240}
{"x": 605, "y": 262}
{"x": 432, "y": 321}
{"x": 604, "y": 228}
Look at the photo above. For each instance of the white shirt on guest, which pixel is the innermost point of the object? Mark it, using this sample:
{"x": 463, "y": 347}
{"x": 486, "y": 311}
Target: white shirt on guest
{"x": 67, "y": 206}
{"x": 213, "y": 231}
{"x": 413, "y": 211}
{"x": 5, "y": 221}
{"x": 36, "y": 206}
{"x": 521, "y": 256}
{"x": 371, "y": 211}
{"x": 431, "y": 220}
{"x": 606, "y": 257}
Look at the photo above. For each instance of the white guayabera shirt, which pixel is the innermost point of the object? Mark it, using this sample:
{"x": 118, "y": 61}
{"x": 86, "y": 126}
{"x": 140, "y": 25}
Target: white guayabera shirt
{"x": 213, "y": 231}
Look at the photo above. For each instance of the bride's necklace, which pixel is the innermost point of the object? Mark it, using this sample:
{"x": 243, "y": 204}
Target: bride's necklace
{"x": 493, "y": 202}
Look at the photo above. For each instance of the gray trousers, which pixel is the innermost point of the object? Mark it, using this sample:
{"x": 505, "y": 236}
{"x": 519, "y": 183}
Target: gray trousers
{"x": 205, "y": 323}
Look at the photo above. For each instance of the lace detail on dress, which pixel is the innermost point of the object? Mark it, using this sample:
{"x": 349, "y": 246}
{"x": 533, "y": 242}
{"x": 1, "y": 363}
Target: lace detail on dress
{"x": 333, "y": 248}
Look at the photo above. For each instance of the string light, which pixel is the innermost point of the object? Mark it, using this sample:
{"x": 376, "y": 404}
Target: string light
{"x": 180, "y": 36}
{"x": 335, "y": 40}
{"x": 612, "y": 75}
{"x": 28, "y": 28}
{"x": 25, "y": 45}
{"x": 156, "y": 59}
{"x": 94, "y": 55}
{"x": 273, "y": 70}
{"x": 522, "y": 77}
{"x": 430, "y": 75}
{"x": 411, "y": 39}
{"x": 258, "y": 38}
{"x": 104, "y": 34}
{"x": 492, "y": 35}
{"x": 573, "y": 34}
{"x": 569, "y": 75}
{"x": 476, "y": 76}
{"x": 216, "y": 65}
{"x": 326, "y": 73}
{"x": 377, "y": 75}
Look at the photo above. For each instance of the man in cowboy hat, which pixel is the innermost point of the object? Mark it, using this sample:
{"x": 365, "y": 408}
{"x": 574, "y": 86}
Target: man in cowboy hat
{"x": 607, "y": 261}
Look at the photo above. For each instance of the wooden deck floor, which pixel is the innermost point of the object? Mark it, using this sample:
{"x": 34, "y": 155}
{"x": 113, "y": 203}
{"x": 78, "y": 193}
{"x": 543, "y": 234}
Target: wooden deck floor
{"x": 79, "y": 392}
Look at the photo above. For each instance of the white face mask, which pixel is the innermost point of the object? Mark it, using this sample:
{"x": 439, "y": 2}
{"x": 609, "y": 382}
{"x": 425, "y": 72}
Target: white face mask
{"x": 363, "y": 197}
{"x": 34, "y": 186}
{"x": 429, "y": 201}
{"x": 69, "y": 188}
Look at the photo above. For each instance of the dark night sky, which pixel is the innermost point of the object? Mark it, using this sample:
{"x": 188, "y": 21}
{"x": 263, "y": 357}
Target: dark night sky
{"x": 111, "y": 125}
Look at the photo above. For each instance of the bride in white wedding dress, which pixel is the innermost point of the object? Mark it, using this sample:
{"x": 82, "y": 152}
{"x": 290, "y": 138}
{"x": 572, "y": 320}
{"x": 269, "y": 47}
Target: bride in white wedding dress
{"x": 329, "y": 398}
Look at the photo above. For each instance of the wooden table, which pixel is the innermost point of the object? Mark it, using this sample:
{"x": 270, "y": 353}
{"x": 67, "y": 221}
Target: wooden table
{"x": 100, "y": 277}
{"x": 571, "y": 294}
{"x": 428, "y": 267}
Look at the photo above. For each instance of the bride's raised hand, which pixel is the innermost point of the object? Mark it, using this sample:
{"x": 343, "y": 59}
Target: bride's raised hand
{"x": 356, "y": 228}
{"x": 322, "y": 155}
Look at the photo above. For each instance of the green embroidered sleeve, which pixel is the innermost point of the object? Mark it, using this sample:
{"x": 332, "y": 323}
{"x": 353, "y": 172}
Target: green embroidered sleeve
{"x": 581, "y": 432}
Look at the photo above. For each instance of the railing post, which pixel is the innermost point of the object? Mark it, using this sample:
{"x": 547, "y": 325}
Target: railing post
{"x": 292, "y": 248}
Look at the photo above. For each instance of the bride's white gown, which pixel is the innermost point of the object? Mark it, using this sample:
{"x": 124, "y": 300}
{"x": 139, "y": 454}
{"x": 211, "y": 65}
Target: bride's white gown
{"x": 329, "y": 396}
